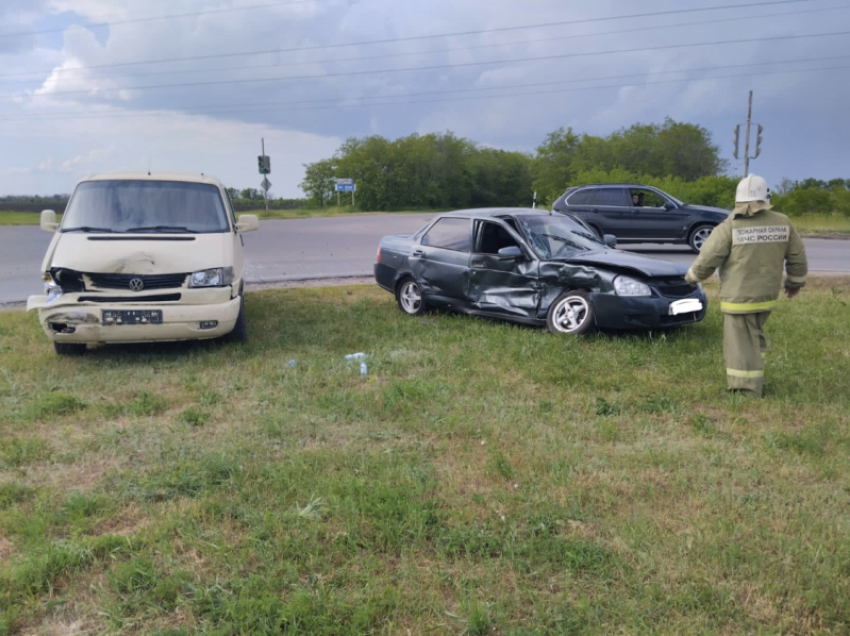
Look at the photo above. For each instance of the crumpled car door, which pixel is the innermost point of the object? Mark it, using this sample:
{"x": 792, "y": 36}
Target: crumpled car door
{"x": 507, "y": 287}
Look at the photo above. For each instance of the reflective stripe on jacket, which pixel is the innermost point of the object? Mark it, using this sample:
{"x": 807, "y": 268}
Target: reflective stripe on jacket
{"x": 750, "y": 248}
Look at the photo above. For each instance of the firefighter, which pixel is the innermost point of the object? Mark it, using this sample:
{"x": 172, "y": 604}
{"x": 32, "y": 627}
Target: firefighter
{"x": 750, "y": 249}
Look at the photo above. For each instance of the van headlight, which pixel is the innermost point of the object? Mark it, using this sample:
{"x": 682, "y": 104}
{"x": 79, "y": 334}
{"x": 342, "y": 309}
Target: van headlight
{"x": 216, "y": 277}
{"x": 625, "y": 286}
{"x": 51, "y": 288}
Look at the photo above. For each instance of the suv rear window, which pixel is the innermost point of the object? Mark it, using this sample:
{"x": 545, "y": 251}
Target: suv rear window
{"x": 582, "y": 197}
{"x": 128, "y": 206}
{"x": 610, "y": 196}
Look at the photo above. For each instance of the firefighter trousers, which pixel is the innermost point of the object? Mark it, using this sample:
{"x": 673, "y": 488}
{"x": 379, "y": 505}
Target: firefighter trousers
{"x": 744, "y": 350}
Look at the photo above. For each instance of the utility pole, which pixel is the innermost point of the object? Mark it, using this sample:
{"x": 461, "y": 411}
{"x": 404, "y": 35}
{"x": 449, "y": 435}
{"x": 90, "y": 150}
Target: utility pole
{"x": 266, "y": 191}
{"x": 747, "y": 142}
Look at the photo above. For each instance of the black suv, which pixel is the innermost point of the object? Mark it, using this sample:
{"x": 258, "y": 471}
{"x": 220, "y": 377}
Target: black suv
{"x": 640, "y": 214}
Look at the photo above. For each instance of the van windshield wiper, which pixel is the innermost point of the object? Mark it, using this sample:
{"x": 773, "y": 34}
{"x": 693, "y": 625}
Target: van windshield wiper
{"x": 88, "y": 228}
{"x": 159, "y": 228}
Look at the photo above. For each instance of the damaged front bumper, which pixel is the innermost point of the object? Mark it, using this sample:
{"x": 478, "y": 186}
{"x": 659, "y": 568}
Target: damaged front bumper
{"x": 78, "y": 317}
{"x": 643, "y": 312}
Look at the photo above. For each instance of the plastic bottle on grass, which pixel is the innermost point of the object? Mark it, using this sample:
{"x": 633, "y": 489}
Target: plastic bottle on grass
{"x": 363, "y": 369}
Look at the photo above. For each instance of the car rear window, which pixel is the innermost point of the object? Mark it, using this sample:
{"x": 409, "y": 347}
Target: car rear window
{"x": 127, "y": 205}
{"x": 450, "y": 234}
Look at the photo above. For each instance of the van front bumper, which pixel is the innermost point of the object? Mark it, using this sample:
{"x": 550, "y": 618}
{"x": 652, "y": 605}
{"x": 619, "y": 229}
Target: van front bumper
{"x": 200, "y": 314}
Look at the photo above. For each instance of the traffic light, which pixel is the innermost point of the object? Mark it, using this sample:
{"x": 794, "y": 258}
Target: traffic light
{"x": 737, "y": 135}
{"x": 758, "y": 140}
{"x": 264, "y": 164}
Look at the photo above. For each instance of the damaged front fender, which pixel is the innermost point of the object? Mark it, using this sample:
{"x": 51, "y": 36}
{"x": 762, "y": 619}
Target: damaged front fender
{"x": 556, "y": 278}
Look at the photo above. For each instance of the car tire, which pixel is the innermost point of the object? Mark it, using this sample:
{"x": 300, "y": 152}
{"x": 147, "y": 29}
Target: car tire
{"x": 69, "y": 348}
{"x": 698, "y": 236}
{"x": 240, "y": 329}
{"x": 572, "y": 314}
{"x": 409, "y": 297}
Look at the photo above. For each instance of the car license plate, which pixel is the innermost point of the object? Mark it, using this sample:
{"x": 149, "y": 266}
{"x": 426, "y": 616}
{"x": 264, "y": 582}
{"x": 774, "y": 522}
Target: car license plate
{"x": 132, "y": 317}
{"x": 685, "y": 306}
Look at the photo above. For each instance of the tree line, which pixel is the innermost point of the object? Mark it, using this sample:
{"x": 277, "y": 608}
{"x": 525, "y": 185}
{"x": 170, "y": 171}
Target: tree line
{"x": 443, "y": 171}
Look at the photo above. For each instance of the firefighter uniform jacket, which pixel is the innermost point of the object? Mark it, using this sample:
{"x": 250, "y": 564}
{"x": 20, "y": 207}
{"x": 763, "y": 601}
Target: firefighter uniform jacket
{"x": 750, "y": 248}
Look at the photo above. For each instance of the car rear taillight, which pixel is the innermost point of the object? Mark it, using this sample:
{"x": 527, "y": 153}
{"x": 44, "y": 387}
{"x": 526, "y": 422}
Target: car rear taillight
{"x": 379, "y": 254}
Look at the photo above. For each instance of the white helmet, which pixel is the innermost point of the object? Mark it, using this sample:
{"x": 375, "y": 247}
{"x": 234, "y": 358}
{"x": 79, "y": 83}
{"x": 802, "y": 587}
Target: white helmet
{"x": 752, "y": 188}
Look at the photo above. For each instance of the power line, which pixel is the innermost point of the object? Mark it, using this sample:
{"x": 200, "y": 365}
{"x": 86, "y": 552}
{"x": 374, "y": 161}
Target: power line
{"x": 445, "y": 66}
{"x": 90, "y": 25}
{"x": 449, "y": 50}
{"x": 342, "y": 103}
{"x": 440, "y": 35}
{"x": 589, "y": 88}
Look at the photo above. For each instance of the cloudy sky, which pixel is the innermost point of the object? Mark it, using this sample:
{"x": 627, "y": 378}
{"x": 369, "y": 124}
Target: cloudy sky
{"x": 193, "y": 85}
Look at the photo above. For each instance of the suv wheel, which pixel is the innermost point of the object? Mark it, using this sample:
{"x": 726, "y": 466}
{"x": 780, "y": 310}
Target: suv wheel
{"x": 698, "y": 237}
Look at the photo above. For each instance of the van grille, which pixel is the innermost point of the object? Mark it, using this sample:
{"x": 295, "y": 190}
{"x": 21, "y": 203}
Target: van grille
{"x": 122, "y": 281}
{"x": 160, "y": 298}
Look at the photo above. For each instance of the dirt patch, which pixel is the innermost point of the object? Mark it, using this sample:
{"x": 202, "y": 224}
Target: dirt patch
{"x": 6, "y": 549}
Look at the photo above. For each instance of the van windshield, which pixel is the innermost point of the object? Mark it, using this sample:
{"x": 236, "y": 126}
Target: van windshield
{"x": 145, "y": 206}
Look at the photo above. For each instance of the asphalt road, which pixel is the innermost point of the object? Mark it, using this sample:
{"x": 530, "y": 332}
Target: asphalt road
{"x": 324, "y": 248}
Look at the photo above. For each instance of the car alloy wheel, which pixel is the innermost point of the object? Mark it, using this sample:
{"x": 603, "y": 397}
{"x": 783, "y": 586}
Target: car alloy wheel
{"x": 410, "y": 298}
{"x": 699, "y": 236}
{"x": 571, "y": 313}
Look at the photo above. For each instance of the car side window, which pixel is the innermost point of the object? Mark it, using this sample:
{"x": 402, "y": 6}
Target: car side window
{"x": 492, "y": 238}
{"x": 449, "y": 234}
{"x": 610, "y": 196}
{"x": 582, "y": 197}
{"x": 647, "y": 199}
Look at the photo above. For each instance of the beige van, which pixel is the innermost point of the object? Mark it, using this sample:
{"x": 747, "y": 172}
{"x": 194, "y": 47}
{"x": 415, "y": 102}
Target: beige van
{"x": 143, "y": 257}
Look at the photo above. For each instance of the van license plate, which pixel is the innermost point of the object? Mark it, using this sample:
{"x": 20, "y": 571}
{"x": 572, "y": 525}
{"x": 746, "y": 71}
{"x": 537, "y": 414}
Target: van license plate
{"x": 132, "y": 317}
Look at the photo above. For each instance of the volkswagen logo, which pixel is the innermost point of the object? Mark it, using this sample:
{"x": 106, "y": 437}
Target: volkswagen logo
{"x": 136, "y": 284}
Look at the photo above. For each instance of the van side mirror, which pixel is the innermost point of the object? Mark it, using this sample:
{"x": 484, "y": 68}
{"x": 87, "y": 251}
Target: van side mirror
{"x": 48, "y": 221}
{"x": 668, "y": 205}
{"x": 247, "y": 223}
{"x": 512, "y": 253}
{"x": 610, "y": 240}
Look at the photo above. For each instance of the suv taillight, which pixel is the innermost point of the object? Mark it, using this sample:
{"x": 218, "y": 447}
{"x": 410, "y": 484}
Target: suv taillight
{"x": 379, "y": 254}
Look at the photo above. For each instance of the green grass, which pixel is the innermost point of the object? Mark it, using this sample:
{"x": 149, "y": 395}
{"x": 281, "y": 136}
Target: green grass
{"x": 814, "y": 224}
{"x": 33, "y": 218}
{"x": 22, "y": 218}
{"x": 810, "y": 225}
{"x": 483, "y": 478}
{"x": 307, "y": 213}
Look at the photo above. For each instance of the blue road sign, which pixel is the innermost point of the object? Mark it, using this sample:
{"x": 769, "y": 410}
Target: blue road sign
{"x": 346, "y": 187}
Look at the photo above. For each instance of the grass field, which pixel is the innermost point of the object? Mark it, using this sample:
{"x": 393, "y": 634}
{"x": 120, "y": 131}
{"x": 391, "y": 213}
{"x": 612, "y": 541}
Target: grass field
{"x": 813, "y": 225}
{"x": 816, "y": 224}
{"x": 305, "y": 213}
{"x": 22, "y": 218}
{"x": 482, "y": 478}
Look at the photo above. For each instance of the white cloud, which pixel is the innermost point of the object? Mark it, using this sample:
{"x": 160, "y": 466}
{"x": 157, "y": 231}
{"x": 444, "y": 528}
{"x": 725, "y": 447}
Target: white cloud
{"x": 63, "y": 151}
{"x": 177, "y": 127}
